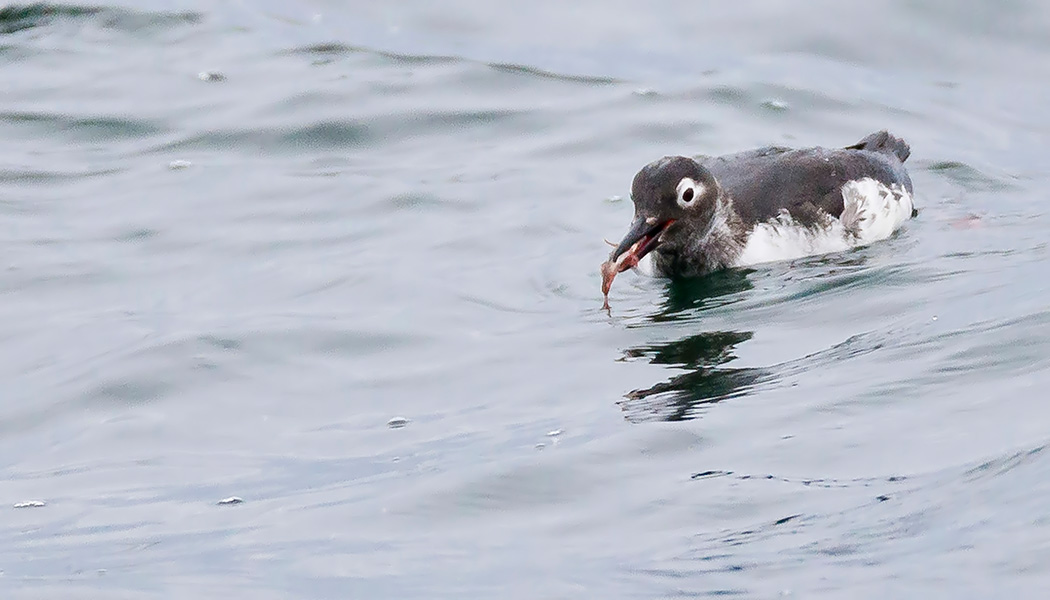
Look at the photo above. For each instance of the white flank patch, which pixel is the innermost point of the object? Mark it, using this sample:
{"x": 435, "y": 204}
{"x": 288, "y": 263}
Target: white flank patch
{"x": 872, "y": 212}
{"x": 783, "y": 239}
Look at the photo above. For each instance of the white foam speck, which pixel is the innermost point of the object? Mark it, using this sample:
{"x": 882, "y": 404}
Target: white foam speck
{"x": 31, "y": 504}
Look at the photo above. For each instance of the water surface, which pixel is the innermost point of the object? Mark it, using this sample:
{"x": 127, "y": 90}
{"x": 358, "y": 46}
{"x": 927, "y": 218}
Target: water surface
{"x": 241, "y": 238}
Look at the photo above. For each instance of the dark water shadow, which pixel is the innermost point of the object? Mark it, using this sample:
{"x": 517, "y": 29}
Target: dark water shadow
{"x": 18, "y": 17}
{"x": 703, "y": 356}
{"x": 687, "y": 297}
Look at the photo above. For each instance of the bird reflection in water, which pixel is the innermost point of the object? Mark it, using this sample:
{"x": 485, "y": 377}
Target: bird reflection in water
{"x": 703, "y": 356}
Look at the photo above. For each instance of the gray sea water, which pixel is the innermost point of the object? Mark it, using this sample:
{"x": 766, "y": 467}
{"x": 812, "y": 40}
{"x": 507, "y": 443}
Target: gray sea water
{"x": 239, "y": 238}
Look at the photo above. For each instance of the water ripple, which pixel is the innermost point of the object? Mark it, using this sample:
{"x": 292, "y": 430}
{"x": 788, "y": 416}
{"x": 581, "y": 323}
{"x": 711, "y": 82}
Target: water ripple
{"x": 44, "y": 177}
{"x": 335, "y": 49}
{"x": 339, "y": 133}
{"x": 85, "y": 128}
{"x": 15, "y": 18}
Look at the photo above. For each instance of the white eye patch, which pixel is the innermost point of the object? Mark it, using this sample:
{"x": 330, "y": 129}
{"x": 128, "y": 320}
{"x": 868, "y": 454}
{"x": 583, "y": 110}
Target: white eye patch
{"x": 688, "y": 192}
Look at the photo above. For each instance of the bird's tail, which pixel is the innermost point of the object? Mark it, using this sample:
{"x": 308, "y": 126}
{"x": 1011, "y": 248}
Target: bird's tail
{"x": 884, "y": 142}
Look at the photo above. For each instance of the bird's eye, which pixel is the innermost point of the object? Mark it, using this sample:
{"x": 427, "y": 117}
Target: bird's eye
{"x": 688, "y": 192}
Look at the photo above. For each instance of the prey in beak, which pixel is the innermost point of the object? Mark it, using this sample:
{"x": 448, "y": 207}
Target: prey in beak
{"x": 642, "y": 238}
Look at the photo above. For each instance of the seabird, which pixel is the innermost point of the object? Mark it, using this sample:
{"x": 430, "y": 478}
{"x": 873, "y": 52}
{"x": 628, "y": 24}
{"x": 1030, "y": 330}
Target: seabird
{"x": 693, "y": 216}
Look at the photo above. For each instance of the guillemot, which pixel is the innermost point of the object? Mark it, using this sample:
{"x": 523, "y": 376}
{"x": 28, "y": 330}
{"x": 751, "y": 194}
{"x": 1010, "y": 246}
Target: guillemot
{"x": 694, "y": 216}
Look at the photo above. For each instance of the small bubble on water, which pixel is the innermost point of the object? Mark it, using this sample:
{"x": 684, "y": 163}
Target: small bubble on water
{"x": 554, "y": 433}
{"x": 230, "y": 500}
{"x": 211, "y": 76}
{"x": 31, "y": 504}
{"x": 397, "y": 422}
{"x": 541, "y": 446}
{"x": 179, "y": 164}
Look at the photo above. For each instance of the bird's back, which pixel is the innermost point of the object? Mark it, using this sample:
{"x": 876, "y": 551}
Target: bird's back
{"x": 808, "y": 182}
